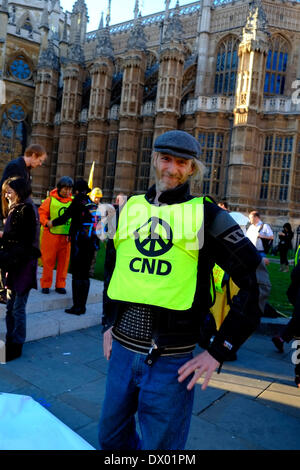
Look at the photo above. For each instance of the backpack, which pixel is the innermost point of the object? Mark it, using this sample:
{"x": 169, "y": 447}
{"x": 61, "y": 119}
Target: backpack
{"x": 224, "y": 290}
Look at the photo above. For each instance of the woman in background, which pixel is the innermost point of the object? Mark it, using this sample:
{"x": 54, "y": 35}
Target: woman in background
{"x": 19, "y": 258}
{"x": 285, "y": 244}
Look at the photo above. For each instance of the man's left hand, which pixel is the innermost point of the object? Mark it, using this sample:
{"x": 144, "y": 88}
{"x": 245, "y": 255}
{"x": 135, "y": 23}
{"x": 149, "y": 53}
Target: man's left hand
{"x": 200, "y": 364}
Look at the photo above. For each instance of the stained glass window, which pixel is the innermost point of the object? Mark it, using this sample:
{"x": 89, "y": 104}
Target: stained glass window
{"x": 143, "y": 170}
{"x": 13, "y": 131}
{"x": 16, "y": 112}
{"x": 226, "y": 66}
{"x": 213, "y": 156}
{"x": 6, "y": 128}
{"x": 276, "y": 67}
{"x": 20, "y": 69}
{"x": 276, "y": 168}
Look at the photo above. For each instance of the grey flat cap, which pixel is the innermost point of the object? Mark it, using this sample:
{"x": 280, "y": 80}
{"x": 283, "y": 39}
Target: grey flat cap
{"x": 177, "y": 143}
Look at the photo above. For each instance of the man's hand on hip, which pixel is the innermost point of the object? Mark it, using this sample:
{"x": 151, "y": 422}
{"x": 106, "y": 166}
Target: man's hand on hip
{"x": 200, "y": 364}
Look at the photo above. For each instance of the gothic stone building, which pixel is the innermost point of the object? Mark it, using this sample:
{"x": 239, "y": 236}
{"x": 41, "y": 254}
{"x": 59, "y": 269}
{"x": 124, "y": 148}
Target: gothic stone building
{"x": 225, "y": 71}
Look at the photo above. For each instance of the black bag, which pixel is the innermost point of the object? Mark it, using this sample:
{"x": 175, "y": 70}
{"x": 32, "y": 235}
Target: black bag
{"x": 267, "y": 244}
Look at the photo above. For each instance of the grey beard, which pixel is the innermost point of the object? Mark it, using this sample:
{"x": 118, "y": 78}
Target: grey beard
{"x": 161, "y": 185}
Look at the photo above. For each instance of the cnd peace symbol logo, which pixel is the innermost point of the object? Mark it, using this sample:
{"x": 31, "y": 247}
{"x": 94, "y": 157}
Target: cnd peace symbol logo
{"x": 154, "y": 238}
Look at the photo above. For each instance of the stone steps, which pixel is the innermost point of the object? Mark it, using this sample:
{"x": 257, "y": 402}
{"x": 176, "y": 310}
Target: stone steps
{"x": 46, "y": 315}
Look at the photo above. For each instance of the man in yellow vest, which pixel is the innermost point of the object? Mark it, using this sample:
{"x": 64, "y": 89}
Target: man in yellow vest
{"x": 157, "y": 295}
{"x": 55, "y": 242}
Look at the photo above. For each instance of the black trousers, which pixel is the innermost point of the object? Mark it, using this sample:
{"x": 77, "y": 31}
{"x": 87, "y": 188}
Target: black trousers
{"x": 283, "y": 251}
{"x": 82, "y": 253}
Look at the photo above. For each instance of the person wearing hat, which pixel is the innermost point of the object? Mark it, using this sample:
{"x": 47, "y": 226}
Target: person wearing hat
{"x": 84, "y": 241}
{"x": 96, "y": 195}
{"x": 55, "y": 242}
{"x": 156, "y": 300}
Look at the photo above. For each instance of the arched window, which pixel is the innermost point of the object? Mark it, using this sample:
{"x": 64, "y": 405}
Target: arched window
{"x": 276, "y": 66}
{"x": 276, "y": 167}
{"x": 188, "y": 83}
{"x": 212, "y": 154}
{"x": 27, "y": 25}
{"x": 110, "y": 167}
{"x": 143, "y": 169}
{"x": 86, "y": 93}
{"x": 226, "y": 66}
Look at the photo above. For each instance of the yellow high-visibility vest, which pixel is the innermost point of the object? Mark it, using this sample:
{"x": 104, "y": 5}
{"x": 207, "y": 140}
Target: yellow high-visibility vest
{"x": 56, "y": 209}
{"x": 157, "y": 253}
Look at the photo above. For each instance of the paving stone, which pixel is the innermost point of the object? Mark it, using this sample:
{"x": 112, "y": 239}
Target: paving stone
{"x": 56, "y": 375}
{"x": 263, "y": 426}
{"x": 251, "y": 404}
{"x": 87, "y": 399}
{"x": 209, "y": 436}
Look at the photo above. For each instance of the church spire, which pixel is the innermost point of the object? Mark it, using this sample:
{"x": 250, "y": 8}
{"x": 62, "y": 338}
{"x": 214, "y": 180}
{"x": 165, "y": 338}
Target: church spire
{"x": 136, "y": 9}
{"x": 167, "y": 5}
{"x": 79, "y": 19}
{"x": 137, "y": 38}
{"x": 174, "y": 29}
{"x": 65, "y": 30}
{"x": 44, "y": 18}
{"x": 4, "y": 6}
{"x": 104, "y": 47}
{"x": 101, "y": 24}
{"x": 108, "y": 13}
{"x": 256, "y": 23}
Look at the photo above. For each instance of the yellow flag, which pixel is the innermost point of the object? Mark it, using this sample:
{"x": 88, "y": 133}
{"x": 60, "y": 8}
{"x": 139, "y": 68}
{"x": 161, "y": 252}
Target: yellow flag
{"x": 90, "y": 181}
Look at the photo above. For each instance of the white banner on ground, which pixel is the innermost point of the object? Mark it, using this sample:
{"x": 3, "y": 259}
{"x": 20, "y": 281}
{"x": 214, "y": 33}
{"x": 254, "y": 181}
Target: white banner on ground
{"x": 27, "y": 425}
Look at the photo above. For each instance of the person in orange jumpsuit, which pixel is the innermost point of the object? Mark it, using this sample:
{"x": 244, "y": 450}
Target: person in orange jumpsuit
{"x": 55, "y": 243}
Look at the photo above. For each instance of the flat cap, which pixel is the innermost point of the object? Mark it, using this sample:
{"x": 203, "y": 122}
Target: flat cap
{"x": 177, "y": 143}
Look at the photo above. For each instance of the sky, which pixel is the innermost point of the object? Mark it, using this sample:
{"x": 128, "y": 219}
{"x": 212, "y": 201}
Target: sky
{"x": 121, "y": 10}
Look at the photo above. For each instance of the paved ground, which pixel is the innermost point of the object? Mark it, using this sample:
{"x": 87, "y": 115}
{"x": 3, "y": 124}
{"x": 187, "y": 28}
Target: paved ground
{"x": 252, "y": 404}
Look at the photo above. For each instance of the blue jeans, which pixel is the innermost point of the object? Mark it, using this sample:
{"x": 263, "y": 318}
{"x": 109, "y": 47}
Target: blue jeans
{"x": 16, "y": 317}
{"x": 163, "y": 405}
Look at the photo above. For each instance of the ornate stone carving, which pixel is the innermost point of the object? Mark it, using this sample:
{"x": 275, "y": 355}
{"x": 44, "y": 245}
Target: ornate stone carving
{"x": 137, "y": 38}
{"x": 174, "y": 30}
{"x": 75, "y": 53}
{"x": 48, "y": 58}
{"x": 104, "y": 47}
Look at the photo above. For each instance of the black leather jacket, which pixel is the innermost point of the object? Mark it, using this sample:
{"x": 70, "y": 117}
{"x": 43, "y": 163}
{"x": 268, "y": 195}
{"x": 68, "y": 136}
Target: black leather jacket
{"x": 224, "y": 244}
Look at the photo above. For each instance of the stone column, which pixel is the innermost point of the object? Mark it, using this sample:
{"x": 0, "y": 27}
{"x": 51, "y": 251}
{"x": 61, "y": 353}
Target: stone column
{"x": 71, "y": 102}
{"x": 244, "y": 167}
{"x": 169, "y": 88}
{"x": 44, "y": 113}
{"x": 101, "y": 76}
{"x": 171, "y": 67}
{"x": 3, "y": 34}
{"x": 203, "y": 47}
{"x": 130, "y": 109}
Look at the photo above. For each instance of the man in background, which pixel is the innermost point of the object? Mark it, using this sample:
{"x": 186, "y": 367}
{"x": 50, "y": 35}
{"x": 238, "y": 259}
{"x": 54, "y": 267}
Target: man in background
{"x": 259, "y": 231}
